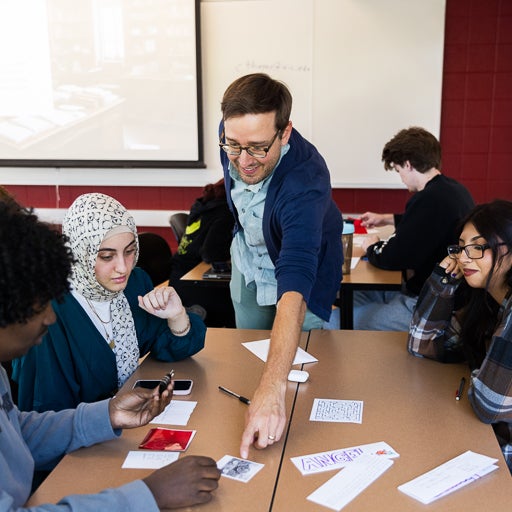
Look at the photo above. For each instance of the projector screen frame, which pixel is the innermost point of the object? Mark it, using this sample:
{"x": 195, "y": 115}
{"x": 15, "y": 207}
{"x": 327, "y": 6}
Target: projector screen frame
{"x": 134, "y": 163}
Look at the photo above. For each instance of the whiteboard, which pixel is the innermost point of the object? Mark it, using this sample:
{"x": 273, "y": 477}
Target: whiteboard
{"x": 359, "y": 71}
{"x": 242, "y": 37}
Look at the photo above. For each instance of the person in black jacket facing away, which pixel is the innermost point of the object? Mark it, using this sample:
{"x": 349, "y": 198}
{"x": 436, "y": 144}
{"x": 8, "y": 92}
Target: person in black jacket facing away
{"x": 429, "y": 223}
{"x": 208, "y": 233}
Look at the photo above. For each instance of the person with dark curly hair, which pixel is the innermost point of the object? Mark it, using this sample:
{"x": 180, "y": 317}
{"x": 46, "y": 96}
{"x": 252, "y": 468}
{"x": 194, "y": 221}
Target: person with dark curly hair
{"x": 464, "y": 312}
{"x": 35, "y": 265}
{"x": 42, "y": 253}
{"x": 111, "y": 318}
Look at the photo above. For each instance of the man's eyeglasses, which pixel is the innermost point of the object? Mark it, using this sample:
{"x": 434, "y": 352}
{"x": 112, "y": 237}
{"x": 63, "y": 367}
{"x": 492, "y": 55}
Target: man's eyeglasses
{"x": 254, "y": 151}
{"x": 473, "y": 251}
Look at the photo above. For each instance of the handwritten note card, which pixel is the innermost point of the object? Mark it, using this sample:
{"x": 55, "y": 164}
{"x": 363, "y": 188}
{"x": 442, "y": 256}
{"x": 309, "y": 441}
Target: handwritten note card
{"x": 337, "y": 459}
{"x": 149, "y": 460}
{"x": 343, "y": 411}
{"x": 448, "y": 477}
{"x": 349, "y": 482}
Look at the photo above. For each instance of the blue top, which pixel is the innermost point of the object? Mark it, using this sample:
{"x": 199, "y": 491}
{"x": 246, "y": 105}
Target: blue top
{"x": 30, "y": 440}
{"x": 74, "y": 363}
{"x": 248, "y": 250}
{"x": 302, "y": 226}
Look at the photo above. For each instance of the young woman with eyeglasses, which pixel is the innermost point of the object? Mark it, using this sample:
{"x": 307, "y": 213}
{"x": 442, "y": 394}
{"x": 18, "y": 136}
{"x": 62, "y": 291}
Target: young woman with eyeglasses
{"x": 464, "y": 313}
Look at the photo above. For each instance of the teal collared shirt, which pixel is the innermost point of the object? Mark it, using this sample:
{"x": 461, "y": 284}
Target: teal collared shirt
{"x": 248, "y": 249}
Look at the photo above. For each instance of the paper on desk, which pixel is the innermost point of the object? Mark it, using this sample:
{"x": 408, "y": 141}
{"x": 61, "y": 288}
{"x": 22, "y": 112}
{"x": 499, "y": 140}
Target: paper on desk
{"x": 349, "y": 482}
{"x": 149, "y": 459}
{"x": 354, "y": 261}
{"x": 238, "y": 469}
{"x": 337, "y": 459}
{"x": 260, "y": 349}
{"x": 176, "y": 413}
{"x": 448, "y": 477}
{"x": 358, "y": 240}
{"x": 344, "y": 411}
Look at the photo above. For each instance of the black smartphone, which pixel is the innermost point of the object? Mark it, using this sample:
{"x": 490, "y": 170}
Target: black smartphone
{"x": 182, "y": 386}
{"x": 152, "y": 384}
{"x": 147, "y": 384}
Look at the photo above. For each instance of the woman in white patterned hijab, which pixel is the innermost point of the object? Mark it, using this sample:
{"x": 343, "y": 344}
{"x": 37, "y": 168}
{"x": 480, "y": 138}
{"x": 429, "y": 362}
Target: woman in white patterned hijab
{"x": 112, "y": 316}
{"x": 91, "y": 221}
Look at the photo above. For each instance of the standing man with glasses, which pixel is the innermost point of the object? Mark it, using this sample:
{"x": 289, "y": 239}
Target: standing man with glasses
{"x": 286, "y": 253}
{"x": 422, "y": 232}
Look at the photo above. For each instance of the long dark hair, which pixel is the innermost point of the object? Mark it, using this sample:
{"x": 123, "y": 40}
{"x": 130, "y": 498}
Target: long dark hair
{"x": 213, "y": 191}
{"x": 493, "y": 221}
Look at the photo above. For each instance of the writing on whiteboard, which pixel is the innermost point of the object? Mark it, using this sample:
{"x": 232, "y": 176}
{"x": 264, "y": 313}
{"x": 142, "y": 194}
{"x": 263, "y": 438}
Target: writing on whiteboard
{"x": 251, "y": 66}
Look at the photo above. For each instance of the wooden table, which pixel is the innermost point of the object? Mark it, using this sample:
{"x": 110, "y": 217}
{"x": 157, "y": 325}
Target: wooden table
{"x": 196, "y": 274}
{"x": 409, "y": 403}
{"x": 217, "y": 418}
{"x": 365, "y": 277}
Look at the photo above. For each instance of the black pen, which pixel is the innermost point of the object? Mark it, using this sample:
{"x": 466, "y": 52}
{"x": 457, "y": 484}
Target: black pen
{"x": 164, "y": 382}
{"x": 458, "y": 394}
{"x": 232, "y": 393}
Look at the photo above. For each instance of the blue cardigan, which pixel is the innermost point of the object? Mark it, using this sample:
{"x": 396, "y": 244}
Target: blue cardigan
{"x": 74, "y": 364}
{"x": 302, "y": 226}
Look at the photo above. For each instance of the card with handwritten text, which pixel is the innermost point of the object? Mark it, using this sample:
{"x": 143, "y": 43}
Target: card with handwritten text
{"x": 337, "y": 459}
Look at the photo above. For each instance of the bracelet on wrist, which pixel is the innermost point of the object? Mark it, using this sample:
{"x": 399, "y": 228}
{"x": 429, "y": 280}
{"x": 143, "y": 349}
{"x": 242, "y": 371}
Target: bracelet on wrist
{"x": 182, "y": 331}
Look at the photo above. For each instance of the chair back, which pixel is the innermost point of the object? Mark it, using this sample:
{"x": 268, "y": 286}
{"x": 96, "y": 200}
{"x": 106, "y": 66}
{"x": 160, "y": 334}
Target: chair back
{"x": 155, "y": 256}
{"x": 178, "y": 222}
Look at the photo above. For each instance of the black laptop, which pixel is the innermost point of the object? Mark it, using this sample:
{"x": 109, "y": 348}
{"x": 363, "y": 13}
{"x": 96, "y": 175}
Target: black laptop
{"x": 218, "y": 270}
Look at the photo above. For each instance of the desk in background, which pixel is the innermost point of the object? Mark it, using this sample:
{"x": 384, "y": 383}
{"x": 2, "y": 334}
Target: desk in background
{"x": 365, "y": 277}
{"x": 408, "y": 403}
{"x": 214, "y": 294}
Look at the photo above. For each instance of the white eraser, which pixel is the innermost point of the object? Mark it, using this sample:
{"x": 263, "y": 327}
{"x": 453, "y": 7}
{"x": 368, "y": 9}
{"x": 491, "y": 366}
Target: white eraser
{"x": 298, "y": 376}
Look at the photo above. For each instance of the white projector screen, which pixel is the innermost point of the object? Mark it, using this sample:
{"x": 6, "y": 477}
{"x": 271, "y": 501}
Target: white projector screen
{"x": 110, "y": 83}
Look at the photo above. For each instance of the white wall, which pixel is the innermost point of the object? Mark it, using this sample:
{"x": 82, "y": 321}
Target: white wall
{"x": 156, "y": 218}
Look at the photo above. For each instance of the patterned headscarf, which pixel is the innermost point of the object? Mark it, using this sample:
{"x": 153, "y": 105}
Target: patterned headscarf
{"x": 91, "y": 219}
{"x": 88, "y": 221}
